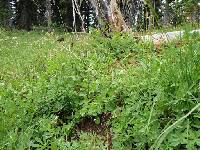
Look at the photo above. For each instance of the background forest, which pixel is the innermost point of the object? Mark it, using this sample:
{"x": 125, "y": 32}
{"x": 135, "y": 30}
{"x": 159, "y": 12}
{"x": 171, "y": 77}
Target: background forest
{"x": 80, "y": 15}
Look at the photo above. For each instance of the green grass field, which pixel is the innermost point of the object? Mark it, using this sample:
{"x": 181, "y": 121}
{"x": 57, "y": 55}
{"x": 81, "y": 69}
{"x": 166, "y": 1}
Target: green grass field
{"x": 90, "y": 92}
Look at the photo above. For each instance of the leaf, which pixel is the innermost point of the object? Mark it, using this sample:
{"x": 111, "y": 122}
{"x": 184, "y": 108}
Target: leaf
{"x": 97, "y": 120}
{"x": 53, "y": 146}
{"x": 38, "y": 140}
{"x": 35, "y": 145}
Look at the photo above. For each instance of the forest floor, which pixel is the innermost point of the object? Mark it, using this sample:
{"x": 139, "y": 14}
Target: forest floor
{"x": 68, "y": 91}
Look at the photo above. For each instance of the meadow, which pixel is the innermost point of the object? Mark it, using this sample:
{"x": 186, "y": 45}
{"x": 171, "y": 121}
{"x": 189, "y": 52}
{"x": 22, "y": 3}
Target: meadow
{"x": 90, "y": 92}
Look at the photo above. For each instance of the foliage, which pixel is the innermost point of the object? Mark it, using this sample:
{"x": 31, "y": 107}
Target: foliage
{"x": 4, "y": 13}
{"x": 48, "y": 87}
{"x": 135, "y": 14}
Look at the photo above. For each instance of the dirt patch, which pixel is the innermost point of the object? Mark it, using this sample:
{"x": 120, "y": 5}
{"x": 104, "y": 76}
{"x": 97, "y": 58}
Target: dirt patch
{"x": 98, "y": 125}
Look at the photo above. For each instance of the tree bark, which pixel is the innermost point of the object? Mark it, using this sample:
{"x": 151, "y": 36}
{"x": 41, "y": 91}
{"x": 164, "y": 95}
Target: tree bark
{"x": 111, "y": 13}
{"x": 49, "y": 14}
{"x": 166, "y": 17}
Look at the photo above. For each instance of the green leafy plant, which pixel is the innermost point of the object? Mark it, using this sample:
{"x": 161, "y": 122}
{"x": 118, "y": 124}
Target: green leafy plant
{"x": 92, "y": 92}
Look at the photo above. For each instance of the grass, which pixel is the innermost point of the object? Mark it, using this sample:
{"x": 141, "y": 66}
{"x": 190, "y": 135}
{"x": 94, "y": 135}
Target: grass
{"x": 91, "y": 92}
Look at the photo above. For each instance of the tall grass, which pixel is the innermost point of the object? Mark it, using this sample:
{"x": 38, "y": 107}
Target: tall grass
{"x": 47, "y": 88}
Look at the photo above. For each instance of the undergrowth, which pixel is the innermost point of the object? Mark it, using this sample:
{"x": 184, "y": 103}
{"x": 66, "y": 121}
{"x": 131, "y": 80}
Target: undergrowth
{"x": 92, "y": 92}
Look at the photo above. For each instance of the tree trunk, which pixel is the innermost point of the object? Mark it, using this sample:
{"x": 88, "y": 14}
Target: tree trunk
{"x": 109, "y": 11}
{"x": 166, "y": 17}
{"x": 49, "y": 14}
{"x": 116, "y": 19}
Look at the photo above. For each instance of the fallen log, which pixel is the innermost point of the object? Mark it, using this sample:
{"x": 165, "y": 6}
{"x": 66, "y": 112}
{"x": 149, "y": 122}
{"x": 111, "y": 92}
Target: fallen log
{"x": 166, "y": 37}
